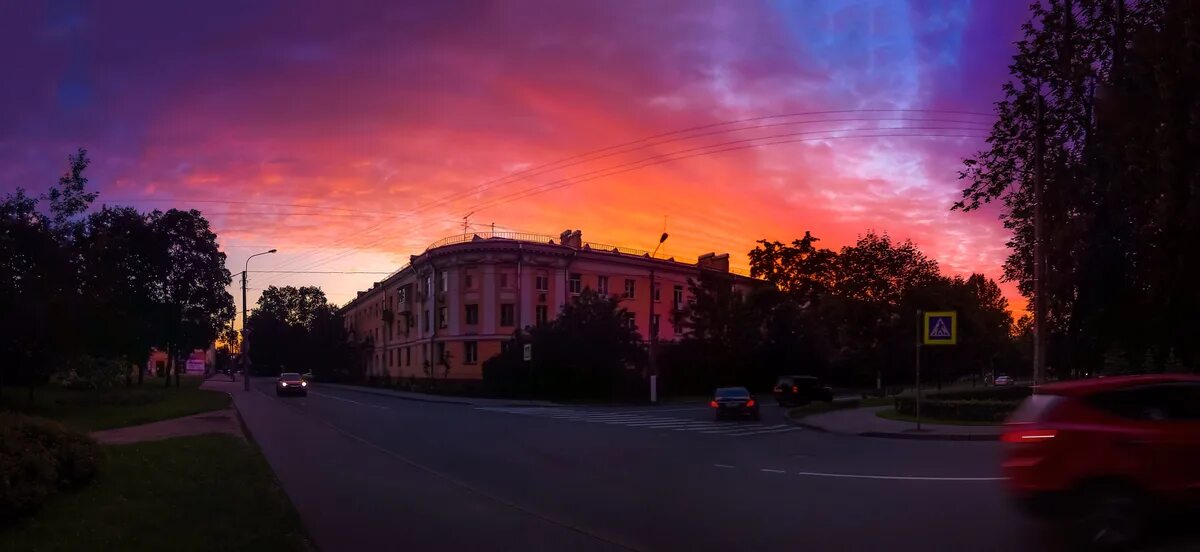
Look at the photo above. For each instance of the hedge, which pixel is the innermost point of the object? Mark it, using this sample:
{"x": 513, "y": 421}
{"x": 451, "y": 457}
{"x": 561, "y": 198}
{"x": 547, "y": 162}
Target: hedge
{"x": 37, "y": 458}
{"x": 958, "y": 409}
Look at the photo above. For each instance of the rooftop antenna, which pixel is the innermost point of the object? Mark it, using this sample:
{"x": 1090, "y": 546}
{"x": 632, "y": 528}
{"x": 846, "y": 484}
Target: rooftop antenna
{"x": 467, "y": 222}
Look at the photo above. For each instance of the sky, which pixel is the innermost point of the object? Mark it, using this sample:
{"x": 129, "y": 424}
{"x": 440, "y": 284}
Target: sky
{"x": 351, "y": 135}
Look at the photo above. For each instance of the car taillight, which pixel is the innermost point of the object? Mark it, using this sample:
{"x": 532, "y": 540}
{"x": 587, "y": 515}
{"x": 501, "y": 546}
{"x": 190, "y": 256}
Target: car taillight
{"x": 713, "y": 404}
{"x": 750, "y": 402}
{"x": 795, "y": 389}
{"x": 1029, "y": 436}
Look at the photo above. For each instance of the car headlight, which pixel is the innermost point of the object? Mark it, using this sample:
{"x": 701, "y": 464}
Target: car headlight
{"x": 304, "y": 384}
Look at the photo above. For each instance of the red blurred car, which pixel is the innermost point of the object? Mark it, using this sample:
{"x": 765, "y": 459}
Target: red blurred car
{"x": 1104, "y": 454}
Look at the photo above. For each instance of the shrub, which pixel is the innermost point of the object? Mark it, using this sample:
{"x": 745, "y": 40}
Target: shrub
{"x": 37, "y": 458}
{"x": 88, "y": 372}
{"x": 984, "y": 410}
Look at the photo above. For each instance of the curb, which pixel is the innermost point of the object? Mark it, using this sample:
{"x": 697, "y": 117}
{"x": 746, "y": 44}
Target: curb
{"x": 982, "y": 437}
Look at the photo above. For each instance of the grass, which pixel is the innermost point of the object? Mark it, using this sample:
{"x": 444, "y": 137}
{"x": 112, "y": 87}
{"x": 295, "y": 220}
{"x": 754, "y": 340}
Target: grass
{"x": 891, "y": 414}
{"x": 206, "y": 492}
{"x": 819, "y": 407}
{"x": 93, "y": 410}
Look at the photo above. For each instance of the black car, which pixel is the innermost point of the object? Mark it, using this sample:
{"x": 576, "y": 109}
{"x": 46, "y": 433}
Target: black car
{"x": 291, "y": 383}
{"x": 801, "y": 390}
{"x": 734, "y": 402}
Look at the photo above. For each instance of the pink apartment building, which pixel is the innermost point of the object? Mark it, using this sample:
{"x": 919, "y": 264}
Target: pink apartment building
{"x": 462, "y": 299}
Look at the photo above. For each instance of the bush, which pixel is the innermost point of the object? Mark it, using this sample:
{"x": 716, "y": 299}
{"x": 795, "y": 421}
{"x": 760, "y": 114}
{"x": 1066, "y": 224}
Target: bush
{"x": 983, "y": 410}
{"x": 1012, "y": 394}
{"x": 88, "y": 372}
{"x": 37, "y": 458}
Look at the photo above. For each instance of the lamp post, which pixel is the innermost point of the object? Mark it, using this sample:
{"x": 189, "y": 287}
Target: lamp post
{"x": 654, "y": 329}
{"x": 245, "y": 349}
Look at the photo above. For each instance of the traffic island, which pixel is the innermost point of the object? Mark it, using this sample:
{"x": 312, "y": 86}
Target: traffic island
{"x": 866, "y": 422}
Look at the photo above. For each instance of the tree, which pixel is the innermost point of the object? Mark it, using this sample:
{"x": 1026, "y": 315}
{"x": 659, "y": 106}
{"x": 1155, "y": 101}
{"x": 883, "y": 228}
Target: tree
{"x": 118, "y": 275}
{"x": 298, "y": 329}
{"x": 1121, "y": 186}
{"x": 591, "y": 349}
{"x": 193, "y": 302}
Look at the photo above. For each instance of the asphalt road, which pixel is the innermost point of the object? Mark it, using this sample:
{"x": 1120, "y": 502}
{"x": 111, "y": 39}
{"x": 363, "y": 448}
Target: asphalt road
{"x": 369, "y": 472}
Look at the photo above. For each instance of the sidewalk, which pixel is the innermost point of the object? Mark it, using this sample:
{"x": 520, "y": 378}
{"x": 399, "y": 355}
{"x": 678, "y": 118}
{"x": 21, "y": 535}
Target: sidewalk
{"x": 216, "y": 421}
{"x": 864, "y": 422}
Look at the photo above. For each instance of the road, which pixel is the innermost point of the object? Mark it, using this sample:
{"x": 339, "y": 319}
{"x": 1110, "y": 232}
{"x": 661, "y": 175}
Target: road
{"x": 369, "y": 472}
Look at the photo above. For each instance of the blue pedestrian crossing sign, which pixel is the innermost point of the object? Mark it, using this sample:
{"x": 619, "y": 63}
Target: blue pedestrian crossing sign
{"x": 941, "y": 328}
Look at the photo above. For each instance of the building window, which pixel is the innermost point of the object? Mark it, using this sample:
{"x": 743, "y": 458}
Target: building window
{"x": 677, "y": 298}
{"x": 678, "y": 327}
{"x": 429, "y": 285}
{"x": 629, "y": 322}
{"x": 472, "y": 314}
{"x": 628, "y": 288}
{"x": 441, "y": 353}
{"x": 504, "y": 279}
{"x": 408, "y": 356}
{"x": 656, "y": 292}
{"x": 390, "y": 363}
{"x": 408, "y": 317}
{"x": 602, "y": 285}
{"x": 425, "y": 321}
{"x": 402, "y": 296}
{"x": 508, "y": 314}
{"x": 575, "y": 283}
{"x": 443, "y": 316}
{"x": 470, "y": 352}
{"x": 542, "y": 282}
{"x": 541, "y": 314}
{"x": 654, "y": 324}
{"x": 469, "y": 280}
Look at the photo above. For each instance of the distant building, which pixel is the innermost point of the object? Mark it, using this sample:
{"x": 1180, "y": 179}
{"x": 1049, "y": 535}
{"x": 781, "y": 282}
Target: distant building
{"x": 462, "y": 299}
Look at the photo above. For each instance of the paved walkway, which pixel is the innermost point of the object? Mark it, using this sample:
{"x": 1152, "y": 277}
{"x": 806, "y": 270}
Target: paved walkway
{"x": 216, "y": 421}
{"x": 863, "y": 421}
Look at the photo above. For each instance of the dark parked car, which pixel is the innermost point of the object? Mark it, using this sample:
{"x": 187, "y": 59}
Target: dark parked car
{"x": 791, "y": 390}
{"x": 290, "y": 383}
{"x": 734, "y": 402}
{"x": 1102, "y": 454}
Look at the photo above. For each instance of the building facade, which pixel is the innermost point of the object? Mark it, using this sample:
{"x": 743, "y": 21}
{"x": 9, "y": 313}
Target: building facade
{"x": 458, "y": 303}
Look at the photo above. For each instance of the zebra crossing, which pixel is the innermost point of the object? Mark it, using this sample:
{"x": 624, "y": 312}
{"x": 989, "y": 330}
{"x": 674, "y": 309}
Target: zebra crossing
{"x": 647, "y": 420}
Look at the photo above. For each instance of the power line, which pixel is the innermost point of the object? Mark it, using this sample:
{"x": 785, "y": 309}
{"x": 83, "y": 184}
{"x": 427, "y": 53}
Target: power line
{"x": 668, "y": 157}
{"x": 664, "y": 158}
{"x": 531, "y": 171}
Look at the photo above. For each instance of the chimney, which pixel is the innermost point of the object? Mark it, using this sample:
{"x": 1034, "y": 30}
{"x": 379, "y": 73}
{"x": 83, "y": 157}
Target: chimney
{"x": 712, "y": 261}
{"x": 571, "y": 238}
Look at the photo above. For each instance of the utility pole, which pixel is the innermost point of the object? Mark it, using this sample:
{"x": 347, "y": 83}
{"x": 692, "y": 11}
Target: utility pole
{"x": 1039, "y": 259}
{"x": 245, "y": 341}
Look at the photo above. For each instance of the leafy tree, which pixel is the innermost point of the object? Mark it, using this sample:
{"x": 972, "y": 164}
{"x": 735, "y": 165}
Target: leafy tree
{"x": 299, "y": 330}
{"x": 194, "y": 303}
{"x": 591, "y": 349}
{"x": 1121, "y": 187}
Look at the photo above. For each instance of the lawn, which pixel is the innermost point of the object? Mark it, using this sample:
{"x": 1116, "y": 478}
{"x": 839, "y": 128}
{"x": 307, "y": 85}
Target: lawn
{"x": 206, "y": 492}
{"x": 891, "y": 414}
{"x": 92, "y": 410}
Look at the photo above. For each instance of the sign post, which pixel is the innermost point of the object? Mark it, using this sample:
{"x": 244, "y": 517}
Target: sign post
{"x": 937, "y": 328}
{"x": 527, "y": 353}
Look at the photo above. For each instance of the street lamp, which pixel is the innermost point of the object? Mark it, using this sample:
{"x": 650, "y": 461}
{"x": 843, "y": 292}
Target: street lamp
{"x": 245, "y": 349}
{"x": 654, "y": 329}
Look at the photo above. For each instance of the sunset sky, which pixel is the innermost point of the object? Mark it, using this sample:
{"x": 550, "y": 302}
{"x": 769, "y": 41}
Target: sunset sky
{"x": 350, "y": 135}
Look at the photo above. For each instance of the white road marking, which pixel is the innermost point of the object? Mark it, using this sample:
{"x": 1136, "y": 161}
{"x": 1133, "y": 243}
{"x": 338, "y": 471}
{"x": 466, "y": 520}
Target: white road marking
{"x": 898, "y": 477}
{"x": 346, "y": 400}
{"x": 772, "y": 471}
{"x": 726, "y": 466}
